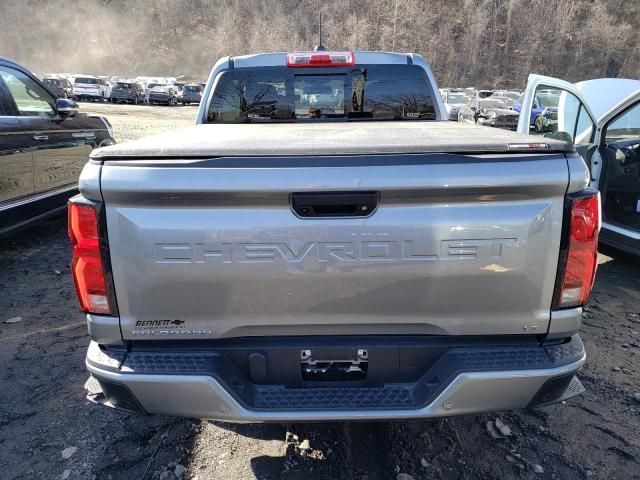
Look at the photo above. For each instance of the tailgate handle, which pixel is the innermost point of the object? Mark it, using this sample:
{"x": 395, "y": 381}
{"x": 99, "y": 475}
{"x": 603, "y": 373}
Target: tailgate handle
{"x": 334, "y": 204}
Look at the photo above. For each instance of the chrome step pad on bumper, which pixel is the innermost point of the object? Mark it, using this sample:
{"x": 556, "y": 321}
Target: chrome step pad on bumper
{"x": 206, "y": 384}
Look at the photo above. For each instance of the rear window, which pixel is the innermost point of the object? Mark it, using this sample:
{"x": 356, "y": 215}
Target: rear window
{"x": 51, "y": 82}
{"x": 90, "y": 81}
{"x": 364, "y": 92}
{"x": 123, "y": 86}
{"x": 192, "y": 88}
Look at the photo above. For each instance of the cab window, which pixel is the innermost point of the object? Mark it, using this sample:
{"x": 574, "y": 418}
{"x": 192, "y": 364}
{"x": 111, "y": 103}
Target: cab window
{"x": 276, "y": 94}
{"x": 30, "y": 98}
{"x": 625, "y": 127}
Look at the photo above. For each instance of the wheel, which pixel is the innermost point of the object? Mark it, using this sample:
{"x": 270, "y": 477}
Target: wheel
{"x": 184, "y": 103}
{"x": 539, "y": 124}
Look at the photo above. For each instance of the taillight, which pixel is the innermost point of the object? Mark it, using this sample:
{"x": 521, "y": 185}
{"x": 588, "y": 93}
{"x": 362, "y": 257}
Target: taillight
{"x": 87, "y": 265}
{"x": 575, "y": 280}
{"x": 321, "y": 59}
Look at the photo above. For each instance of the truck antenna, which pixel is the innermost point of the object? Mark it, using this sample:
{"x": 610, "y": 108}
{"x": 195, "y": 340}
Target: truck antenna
{"x": 319, "y": 47}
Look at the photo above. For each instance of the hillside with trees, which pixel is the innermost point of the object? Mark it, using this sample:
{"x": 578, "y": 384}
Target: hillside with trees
{"x": 468, "y": 42}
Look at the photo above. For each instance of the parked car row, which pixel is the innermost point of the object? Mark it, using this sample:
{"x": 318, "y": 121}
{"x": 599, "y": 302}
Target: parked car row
{"x": 493, "y": 108}
{"x": 93, "y": 88}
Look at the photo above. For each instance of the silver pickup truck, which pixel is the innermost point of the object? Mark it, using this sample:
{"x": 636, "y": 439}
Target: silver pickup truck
{"x": 324, "y": 245}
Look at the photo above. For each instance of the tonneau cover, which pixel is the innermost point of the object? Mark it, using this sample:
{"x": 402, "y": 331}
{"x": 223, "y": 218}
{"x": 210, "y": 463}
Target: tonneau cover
{"x": 393, "y": 137}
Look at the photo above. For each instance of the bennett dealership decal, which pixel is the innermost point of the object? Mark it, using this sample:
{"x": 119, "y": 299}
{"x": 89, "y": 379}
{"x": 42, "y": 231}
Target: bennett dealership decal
{"x": 166, "y": 328}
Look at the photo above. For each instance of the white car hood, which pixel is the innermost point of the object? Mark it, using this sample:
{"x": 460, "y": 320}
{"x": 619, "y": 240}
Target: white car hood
{"x": 605, "y": 94}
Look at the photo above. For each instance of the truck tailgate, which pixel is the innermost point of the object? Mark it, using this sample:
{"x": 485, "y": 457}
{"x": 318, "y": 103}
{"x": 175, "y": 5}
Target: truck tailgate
{"x": 458, "y": 244}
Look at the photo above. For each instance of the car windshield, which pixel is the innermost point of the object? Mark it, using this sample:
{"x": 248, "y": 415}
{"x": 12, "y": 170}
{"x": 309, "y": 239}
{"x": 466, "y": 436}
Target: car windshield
{"x": 123, "y": 86}
{"x": 547, "y": 100}
{"x": 512, "y": 95}
{"x": 160, "y": 89}
{"x": 90, "y": 81}
{"x": 365, "y": 92}
{"x": 152, "y": 85}
{"x": 491, "y": 104}
{"x": 192, "y": 88}
{"x": 508, "y": 101}
{"x": 457, "y": 98}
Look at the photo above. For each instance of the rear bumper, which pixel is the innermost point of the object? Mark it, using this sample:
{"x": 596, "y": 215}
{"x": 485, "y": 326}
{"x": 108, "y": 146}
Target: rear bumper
{"x": 205, "y": 384}
{"x": 123, "y": 97}
{"x": 87, "y": 93}
{"x": 160, "y": 99}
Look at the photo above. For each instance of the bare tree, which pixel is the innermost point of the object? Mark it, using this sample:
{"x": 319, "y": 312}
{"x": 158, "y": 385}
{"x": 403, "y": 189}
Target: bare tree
{"x": 467, "y": 42}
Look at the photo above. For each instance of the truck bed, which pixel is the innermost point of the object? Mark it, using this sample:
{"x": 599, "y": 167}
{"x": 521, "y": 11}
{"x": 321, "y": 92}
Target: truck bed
{"x": 351, "y": 138}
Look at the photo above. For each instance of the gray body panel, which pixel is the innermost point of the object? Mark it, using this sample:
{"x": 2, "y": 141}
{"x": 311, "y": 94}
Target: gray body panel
{"x": 458, "y": 245}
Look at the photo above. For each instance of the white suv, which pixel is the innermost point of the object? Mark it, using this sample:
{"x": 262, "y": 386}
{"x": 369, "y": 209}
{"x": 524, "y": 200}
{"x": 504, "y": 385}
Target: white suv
{"x": 90, "y": 88}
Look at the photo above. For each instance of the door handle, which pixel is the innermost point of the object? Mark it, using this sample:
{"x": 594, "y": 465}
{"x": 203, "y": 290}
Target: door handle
{"x": 334, "y": 204}
{"x": 39, "y": 136}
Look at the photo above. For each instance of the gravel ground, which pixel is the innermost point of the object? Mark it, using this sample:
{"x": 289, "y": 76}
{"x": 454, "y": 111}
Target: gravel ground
{"x": 45, "y": 417}
{"x": 134, "y": 121}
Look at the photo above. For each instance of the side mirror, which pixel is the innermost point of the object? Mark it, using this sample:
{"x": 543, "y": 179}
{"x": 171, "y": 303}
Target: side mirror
{"x": 66, "y": 107}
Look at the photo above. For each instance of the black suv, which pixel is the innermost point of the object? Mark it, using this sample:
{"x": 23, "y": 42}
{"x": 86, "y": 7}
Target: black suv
{"x": 127, "y": 92}
{"x": 60, "y": 87}
{"x": 44, "y": 144}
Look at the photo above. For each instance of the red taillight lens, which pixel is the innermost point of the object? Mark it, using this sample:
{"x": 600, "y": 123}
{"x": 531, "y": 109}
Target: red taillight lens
{"x": 87, "y": 265}
{"x": 320, "y": 59}
{"x": 582, "y": 252}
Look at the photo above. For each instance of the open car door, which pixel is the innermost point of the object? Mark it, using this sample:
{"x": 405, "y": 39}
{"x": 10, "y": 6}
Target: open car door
{"x": 602, "y": 119}
{"x": 616, "y": 164}
{"x": 554, "y": 108}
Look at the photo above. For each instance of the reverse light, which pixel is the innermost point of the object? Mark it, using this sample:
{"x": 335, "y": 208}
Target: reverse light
{"x": 320, "y": 59}
{"x": 581, "y": 257}
{"x": 87, "y": 264}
